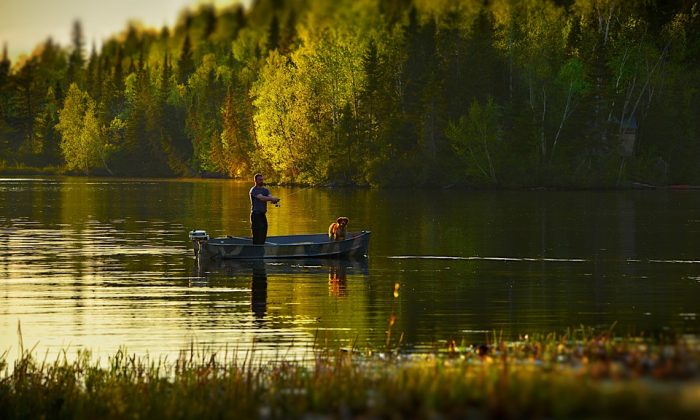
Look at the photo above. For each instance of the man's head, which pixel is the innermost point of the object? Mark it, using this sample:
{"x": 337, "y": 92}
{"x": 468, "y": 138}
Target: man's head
{"x": 259, "y": 180}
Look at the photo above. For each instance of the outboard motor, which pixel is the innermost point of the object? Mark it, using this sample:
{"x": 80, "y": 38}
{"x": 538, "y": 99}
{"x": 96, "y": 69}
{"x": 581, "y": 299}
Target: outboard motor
{"x": 198, "y": 237}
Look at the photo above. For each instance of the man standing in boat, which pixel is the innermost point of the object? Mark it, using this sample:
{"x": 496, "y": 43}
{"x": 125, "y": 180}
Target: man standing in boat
{"x": 259, "y": 196}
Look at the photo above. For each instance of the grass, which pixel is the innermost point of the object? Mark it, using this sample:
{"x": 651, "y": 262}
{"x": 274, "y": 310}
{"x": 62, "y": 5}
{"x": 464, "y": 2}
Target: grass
{"x": 22, "y": 170}
{"x": 577, "y": 374}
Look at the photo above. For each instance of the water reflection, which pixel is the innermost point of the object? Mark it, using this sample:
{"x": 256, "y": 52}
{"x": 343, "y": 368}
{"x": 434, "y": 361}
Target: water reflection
{"x": 337, "y": 279}
{"x": 258, "y": 295}
{"x": 285, "y": 274}
{"x": 101, "y": 264}
{"x": 255, "y": 269}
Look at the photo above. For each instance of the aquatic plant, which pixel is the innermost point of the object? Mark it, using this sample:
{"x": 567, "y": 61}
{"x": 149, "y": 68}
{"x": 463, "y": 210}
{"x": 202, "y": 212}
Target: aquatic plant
{"x": 576, "y": 374}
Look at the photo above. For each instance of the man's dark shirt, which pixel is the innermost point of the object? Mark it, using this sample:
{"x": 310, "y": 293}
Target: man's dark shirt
{"x": 258, "y": 206}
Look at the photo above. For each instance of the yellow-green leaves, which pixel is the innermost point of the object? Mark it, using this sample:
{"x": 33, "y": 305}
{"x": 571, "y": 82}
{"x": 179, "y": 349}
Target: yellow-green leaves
{"x": 83, "y": 142}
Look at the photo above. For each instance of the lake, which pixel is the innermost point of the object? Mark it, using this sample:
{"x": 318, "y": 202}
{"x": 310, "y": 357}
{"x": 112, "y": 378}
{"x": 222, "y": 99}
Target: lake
{"x": 104, "y": 264}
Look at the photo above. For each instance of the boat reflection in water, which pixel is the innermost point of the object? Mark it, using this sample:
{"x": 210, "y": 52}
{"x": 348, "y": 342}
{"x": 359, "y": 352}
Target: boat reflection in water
{"x": 334, "y": 270}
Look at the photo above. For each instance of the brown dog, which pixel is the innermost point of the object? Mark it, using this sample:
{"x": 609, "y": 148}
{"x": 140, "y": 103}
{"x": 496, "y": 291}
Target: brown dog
{"x": 337, "y": 230}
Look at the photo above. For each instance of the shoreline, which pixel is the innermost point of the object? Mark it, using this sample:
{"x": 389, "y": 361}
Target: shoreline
{"x": 582, "y": 375}
{"x": 632, "y": 186}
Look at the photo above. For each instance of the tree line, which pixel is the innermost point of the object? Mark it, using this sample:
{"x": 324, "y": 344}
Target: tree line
{"x": 373, "y": 92}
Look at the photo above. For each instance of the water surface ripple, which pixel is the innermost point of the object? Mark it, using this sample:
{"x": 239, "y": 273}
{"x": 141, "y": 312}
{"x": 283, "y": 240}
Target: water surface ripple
{"x": 104, "y": 264}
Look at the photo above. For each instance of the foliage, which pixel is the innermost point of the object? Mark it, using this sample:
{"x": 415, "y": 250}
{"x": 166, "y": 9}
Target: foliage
{"x": 577, "y": 374}
{"x": 475, "y": 139}
{"x": 83, "y": 140}
{"x": 372, "y": 92}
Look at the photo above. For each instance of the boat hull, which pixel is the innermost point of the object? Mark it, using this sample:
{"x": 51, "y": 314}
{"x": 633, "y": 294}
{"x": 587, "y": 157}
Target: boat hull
{"x": 292, "y": 246}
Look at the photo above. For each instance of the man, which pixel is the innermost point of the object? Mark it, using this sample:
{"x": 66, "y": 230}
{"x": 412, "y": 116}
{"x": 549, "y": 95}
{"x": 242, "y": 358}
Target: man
{"x": 259, "y": 196}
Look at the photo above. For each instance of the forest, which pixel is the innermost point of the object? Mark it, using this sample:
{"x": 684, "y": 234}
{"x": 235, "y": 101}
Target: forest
{"x": 471, "y": 93}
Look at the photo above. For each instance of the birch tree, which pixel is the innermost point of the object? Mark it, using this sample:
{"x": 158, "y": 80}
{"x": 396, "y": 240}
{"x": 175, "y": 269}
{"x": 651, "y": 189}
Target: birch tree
{"x": 83, "y": 140}
{"x": 475, "y": 138}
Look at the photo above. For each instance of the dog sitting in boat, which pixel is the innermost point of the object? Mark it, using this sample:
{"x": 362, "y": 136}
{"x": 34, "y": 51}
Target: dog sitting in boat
{"x": 338, "y": 230}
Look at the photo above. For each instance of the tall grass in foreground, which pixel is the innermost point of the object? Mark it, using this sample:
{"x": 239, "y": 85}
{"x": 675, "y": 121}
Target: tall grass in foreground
{"x": 576, "y": 375}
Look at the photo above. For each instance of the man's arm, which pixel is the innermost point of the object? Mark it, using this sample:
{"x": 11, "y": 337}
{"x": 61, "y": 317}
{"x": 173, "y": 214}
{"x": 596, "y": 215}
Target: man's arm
{"x": 267, "y": 198}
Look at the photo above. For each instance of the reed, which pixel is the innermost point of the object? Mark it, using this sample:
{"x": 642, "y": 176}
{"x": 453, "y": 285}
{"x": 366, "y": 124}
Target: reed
{"x": 575, "y": 374}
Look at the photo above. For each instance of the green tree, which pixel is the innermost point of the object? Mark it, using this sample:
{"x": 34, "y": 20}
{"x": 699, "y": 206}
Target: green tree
{"x": 236, "y": 144}
{"x": 4, "y": 66}
{"x": 185, "y": 65}
{"x": 171, "y": 118}
{"x": 76, "y": 59}
{"x": 371, "y": 99}
{"x": 538, "y": 54}
{"x": 6, "y": 94}
{"x": 289, "y": 35}
{"x": 112, "y": 101}
{"x": 204, "y": 98}
{"x": 46, "y": 138}
{"x": 282, "y": 85}
{"x": 93, "y": 75}
{"x": 280, "y": 135}
{"x": 567, "y": 90}
{"x": 381, "y": 108}
{"x": 476, "y": 139}
{"x": 83, "y": 141}
{"x": 273, "y": 36}
{"x": 144, "y": 151}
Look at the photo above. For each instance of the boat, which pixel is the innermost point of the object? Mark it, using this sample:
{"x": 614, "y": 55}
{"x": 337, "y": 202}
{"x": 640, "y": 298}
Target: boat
{"x": 318, "y": 245}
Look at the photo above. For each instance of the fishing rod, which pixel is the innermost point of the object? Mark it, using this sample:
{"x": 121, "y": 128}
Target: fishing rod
{"x": 277, "y": 204}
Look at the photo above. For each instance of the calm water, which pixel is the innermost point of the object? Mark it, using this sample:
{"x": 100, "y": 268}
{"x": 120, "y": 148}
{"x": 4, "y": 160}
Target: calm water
{"x": 103, "y": 264}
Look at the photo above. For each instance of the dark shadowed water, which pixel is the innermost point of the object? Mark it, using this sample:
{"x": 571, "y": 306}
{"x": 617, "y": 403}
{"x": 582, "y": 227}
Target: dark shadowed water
{"x": 103, "y": 264}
